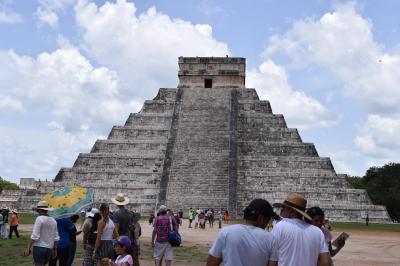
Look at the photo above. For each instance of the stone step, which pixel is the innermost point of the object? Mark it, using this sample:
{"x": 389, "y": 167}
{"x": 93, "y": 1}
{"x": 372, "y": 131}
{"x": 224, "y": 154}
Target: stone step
{"x": 248, "y": 93}
{"x": 255, "y": 148}
{"x": 275, "y": 172}
{"x": 138, "y": 133}
{"x": 270, "y": 134}
{"x": 293, "y": 182}
{"x": 124, "y": 146}
{"x": 249, "y": 106}
{"x": 157, "y": 106}
{"x": 143, "y": 120}
{"x": 259, "y": 120}
{"x": 107, "y": 160}
{"x": 104, "y": 177}
{"x": 166, "y": 94}
{"x": 289, "y": 162}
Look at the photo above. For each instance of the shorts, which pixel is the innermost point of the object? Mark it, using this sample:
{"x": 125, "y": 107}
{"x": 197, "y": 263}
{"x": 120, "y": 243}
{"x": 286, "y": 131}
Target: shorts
{"x": 163, "y": 250}
{"x": 41, "y": 255}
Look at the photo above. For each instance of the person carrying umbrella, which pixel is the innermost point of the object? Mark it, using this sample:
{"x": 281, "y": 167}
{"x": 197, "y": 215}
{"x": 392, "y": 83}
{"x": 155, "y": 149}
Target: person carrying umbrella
{"x": 44, "y": 237}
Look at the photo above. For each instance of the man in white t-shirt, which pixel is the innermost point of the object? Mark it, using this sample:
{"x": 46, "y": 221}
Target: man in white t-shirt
{"x": 248, "y": 243}
{"x": 299, "y": 243}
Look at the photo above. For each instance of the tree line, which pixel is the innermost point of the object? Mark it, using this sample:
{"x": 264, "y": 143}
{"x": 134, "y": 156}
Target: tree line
{"x": 4, "y": 184}
{"x": 383, "y": 187}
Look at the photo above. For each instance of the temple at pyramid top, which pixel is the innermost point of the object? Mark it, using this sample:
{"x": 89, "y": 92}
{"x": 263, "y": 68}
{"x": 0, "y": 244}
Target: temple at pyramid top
{"x": 212, "y": 72}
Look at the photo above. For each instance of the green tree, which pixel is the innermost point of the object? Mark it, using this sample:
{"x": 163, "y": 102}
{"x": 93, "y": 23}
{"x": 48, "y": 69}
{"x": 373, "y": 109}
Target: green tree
{"x": 383, "y": 187}
{"x": 357, "y": 182}
{"x": 4, "y": 184}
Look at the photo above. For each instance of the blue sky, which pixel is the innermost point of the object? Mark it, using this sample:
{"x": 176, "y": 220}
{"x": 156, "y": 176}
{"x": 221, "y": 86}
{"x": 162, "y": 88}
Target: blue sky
{"x": 70, "y": 69}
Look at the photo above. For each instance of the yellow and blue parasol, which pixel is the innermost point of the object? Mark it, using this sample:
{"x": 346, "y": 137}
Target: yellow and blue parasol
{"x": 68, "y": 201}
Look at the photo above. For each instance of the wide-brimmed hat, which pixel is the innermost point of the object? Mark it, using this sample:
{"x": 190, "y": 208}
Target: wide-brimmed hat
{"x": 92, "y": 212}
{"x": 42, "y": 205}
{"x": 296, "y": 202}
{"x": 120, "y": 199}
{"x": 162, "y": 208}
{"x": 15, "y": 211}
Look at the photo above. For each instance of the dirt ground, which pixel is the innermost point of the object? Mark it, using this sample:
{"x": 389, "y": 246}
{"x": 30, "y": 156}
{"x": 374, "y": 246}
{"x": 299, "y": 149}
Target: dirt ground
{"x": 363, "y": 248}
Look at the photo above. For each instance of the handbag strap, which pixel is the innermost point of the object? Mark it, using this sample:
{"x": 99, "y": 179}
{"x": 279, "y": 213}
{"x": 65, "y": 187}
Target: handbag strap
{"x": 170, "y": 223}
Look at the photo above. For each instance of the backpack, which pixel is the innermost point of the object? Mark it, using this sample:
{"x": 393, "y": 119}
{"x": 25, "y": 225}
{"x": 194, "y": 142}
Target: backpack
{"x": 173, "y": 237}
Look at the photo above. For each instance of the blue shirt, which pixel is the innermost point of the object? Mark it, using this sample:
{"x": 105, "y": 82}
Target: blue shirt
{"x": 64, "y": 228}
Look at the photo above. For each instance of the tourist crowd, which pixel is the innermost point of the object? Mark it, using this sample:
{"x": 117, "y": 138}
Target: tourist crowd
{"x": 8, "y": 223}
{"x": 298, "y": 237}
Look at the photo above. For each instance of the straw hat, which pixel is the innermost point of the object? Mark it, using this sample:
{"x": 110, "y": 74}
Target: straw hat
{"x": 42, "y": 205}
{"x": 15, "y": 211}
{"x": 120, "y": 199}
{"x": 295, "y": 202}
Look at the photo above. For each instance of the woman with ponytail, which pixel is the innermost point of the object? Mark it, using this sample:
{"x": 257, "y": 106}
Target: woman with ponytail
{"x": 106, "y": 232}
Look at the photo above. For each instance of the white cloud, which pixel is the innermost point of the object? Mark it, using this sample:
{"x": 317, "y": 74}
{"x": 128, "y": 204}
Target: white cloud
{"x": 47, "y": 11}
{"x": 40, "y": 153}
{"x": 66, "y": 85}
{"x": 342, "y": 41}
{"x": 300, "y": 110}
{"x": 379, "y": 137}
{"x": 9, "y": 17}
{"x": 47, "y": 16}
{"x": 9, "y": 103}
{"x": 142, "y": 48}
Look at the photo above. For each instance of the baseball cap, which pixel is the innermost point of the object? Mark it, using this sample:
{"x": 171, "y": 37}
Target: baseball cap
{"x": 260, "y": 206}
{"x": 123, "y": 241}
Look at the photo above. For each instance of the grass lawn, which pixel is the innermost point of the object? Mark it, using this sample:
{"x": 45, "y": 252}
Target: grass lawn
{"x": 371, "y": 227}
{"x": 11, "y": 251}
{"x": 26, "y": 218}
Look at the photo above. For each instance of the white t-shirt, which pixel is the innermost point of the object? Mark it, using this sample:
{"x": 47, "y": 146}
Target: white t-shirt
{"x": 121, "y": 260}
{"x": 44, "y": 232}
{"x": 299, "y": 243}
{"x": 241, "y": 244}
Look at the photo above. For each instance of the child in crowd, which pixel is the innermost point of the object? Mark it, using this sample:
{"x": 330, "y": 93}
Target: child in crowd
{"x": 121, "y": 247}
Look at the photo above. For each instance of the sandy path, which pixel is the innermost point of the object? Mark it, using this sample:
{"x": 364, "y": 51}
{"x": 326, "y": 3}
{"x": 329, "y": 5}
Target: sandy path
{"x": 363, "y": 248}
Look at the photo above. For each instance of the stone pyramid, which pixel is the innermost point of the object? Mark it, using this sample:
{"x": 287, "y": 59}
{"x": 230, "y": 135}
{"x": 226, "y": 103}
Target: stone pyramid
{"x": 211, "y": 143}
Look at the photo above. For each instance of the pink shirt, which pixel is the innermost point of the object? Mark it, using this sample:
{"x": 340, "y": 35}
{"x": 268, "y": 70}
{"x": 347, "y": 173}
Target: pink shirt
{"x": 123, "y": 259}
{"x": 14, "y": 220}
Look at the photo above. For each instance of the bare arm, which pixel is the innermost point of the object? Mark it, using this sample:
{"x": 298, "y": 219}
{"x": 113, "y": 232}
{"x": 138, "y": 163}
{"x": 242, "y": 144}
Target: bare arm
{"x": 116, "y": 226}
{"x": 115, "y": 233}
{"x": 153, "y": 235}
{"x": 29, "y": 248}
{"x": 213, "y": 261}
{"x": 323, "y": 259}
{"x": 100, "y": 227}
